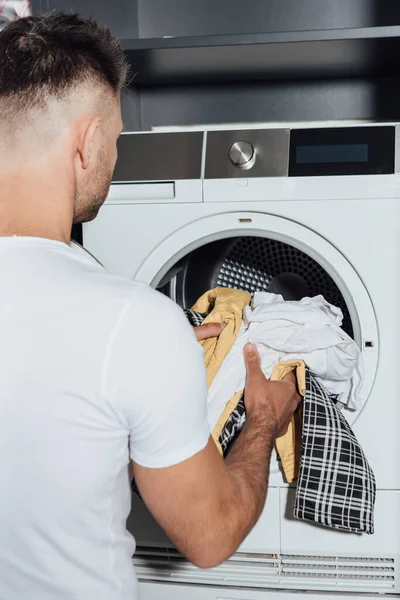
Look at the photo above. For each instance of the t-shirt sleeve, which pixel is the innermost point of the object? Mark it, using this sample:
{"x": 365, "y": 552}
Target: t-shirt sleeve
{"x": 157, "y": 381}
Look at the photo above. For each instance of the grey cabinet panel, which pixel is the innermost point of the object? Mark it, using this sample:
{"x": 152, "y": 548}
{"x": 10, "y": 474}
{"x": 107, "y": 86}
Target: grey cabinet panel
{"x": 359, "y": 52}
{"x": 158, "y": 18}
{"x": 121, "y": 16}
{"x": 263, "y": 103}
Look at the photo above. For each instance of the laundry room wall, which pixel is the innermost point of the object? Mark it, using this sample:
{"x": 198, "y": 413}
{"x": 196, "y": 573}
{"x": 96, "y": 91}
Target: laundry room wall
{"x": 240, "y": 97}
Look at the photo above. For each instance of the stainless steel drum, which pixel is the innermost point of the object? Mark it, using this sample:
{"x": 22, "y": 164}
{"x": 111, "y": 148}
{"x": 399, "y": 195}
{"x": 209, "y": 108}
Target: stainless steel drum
{"x": 252, "y": 264}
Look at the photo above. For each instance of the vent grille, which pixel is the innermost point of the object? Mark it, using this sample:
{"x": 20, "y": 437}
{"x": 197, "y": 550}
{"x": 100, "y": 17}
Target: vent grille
{"x": 255, "y": 263}
{"x": 362, "y": 574}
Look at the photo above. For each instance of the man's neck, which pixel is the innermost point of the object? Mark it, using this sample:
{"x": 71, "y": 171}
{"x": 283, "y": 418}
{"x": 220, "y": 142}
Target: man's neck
{"x": 28, "y": 225}
{"x": 35, "y": 206}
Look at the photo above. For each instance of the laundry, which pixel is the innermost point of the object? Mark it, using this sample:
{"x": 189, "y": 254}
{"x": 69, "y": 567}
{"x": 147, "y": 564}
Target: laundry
{"x": 307, "y": 330}
{"x": 288, "y": 446}
{"x": 221, "y": 305}
{"x": 233, "y": 416}
{"x": 335, "y": 484}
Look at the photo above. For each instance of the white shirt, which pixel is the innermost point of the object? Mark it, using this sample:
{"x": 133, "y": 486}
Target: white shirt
{"x": 308, "y": 329}
{"x": 90, "y": 365}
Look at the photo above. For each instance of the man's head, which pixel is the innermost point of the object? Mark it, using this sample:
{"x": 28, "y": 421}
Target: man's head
{"x": 60, "y": 83}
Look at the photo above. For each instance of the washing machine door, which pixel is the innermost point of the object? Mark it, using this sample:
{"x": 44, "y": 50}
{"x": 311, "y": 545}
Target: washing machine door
{"x": 257, "y": 251}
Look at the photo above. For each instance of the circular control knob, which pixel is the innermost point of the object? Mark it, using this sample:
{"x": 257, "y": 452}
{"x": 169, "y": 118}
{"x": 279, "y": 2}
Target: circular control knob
{"x": 242, "y": 155}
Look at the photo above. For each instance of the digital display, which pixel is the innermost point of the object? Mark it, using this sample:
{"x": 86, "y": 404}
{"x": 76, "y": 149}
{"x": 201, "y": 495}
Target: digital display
{"x": 332, "y": 153}
{"x": 342, "y": 151}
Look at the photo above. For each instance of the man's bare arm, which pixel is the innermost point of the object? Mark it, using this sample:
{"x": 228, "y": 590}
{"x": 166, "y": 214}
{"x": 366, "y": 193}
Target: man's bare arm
{"x": 208, "y": 506}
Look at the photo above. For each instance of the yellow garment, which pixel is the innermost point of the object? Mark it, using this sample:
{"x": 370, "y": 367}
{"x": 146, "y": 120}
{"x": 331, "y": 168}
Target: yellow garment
{"x": 289, "y": 445}
{"x": 224, "y": 305}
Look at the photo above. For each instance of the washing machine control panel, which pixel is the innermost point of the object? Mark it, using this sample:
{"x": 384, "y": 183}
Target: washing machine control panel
{"x": 256, "y": 153}
{"x": 242, "y": 155}
{"x": 324, "y": 151}
{"x": 247, "y": 153}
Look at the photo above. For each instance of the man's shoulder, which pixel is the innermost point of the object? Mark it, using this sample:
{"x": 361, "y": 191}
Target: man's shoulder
{"x": 137, "y": 297}
{"x": 141, "y": 298}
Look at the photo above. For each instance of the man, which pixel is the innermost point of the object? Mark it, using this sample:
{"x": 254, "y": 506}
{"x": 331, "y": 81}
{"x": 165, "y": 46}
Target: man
{"x": 98, "y": 371}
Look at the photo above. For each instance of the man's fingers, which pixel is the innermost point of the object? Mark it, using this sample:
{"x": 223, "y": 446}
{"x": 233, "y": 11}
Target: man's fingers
{"x": 251, "y": 359}
{"x": 208, "y": 330}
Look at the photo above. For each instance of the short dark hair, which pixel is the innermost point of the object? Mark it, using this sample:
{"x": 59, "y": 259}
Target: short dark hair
{"x": 47, "y": 55}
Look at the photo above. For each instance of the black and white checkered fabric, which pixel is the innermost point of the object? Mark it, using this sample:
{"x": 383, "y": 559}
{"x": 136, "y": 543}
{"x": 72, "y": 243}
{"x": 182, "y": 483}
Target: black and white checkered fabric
{"x": 233, "y": 426}
{"x": 194, "y": 318}
{"x": 336, "y": 486}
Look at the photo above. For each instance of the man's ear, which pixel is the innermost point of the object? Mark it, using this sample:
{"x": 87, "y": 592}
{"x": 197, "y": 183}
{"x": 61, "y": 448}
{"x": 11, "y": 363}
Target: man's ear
{"x": 87, "y": 140}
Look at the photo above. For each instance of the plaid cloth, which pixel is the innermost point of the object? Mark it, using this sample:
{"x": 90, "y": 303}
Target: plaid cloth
{"x": 336, "y": 486}
{"x": 233, "y": 426}
{"x": 194, "y": 318}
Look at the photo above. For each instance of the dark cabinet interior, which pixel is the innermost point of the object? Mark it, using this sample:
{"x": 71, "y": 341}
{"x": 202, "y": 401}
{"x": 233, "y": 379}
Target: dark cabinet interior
{"x": 131, "y": 19}
{"x": 196, "y": 62}
{"x": 180, "y": 18}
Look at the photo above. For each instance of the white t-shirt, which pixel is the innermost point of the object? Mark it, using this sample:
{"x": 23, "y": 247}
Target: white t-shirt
{"x": 93, "y": 367}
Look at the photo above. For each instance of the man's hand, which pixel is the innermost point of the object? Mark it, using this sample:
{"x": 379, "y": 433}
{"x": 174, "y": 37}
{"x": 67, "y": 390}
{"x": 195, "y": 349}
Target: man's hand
{"x": 208, "y": 330}
{"x": 272, "y": 401}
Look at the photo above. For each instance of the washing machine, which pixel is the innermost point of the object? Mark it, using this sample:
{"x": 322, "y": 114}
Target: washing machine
{"x": 302, "y": 212}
